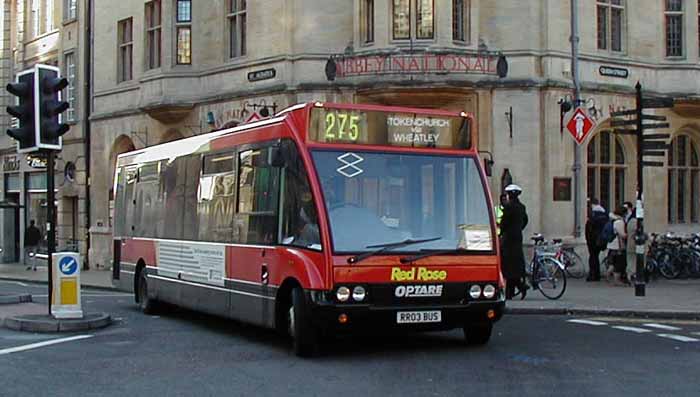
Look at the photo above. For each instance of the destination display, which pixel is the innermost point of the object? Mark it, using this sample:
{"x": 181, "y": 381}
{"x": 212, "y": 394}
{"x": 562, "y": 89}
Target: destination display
{"x": 330, "y": 125}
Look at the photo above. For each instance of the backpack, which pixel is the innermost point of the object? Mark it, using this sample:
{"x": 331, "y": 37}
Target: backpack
{"x": 607, "y": 235}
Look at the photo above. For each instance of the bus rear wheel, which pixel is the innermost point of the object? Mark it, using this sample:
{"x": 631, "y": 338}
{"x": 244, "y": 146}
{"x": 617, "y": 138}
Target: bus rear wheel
{"x": 304, "y": 336}
{"x": 478, "y": 334}
{"x": 146, "y": 304}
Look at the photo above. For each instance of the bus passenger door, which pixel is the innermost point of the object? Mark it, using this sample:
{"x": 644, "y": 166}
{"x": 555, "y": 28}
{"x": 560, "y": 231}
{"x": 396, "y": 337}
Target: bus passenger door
{"x": 255, "y": 228}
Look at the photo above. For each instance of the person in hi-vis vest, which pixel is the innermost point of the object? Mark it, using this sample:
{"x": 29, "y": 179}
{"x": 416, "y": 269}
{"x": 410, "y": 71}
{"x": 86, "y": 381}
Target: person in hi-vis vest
{"x": 498, "y": 211}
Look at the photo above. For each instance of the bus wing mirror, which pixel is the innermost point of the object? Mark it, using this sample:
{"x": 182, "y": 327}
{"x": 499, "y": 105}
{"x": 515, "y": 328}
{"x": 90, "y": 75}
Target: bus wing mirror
{"x": 488, "y": 167}
{"x": 488, "y": 163}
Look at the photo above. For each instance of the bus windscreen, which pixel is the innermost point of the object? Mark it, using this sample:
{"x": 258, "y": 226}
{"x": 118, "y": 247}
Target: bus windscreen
{"x": 347, "y": 126}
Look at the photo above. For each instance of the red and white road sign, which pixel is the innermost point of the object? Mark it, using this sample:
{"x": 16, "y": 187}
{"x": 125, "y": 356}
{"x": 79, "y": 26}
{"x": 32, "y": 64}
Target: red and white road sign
{"x": 580, "y": 125}
{"x": 253, "y": 117}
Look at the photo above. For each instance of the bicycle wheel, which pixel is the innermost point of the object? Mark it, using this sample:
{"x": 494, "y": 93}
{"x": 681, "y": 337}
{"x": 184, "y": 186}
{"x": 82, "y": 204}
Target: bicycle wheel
{"x": 573, "y": 264}
{"x": 683, "y": 262}
{"x": 549, "y": 278}
{"x": 651, "y": 269}
{"x": 694, "y": 264}
{"x": 667, "y": 265}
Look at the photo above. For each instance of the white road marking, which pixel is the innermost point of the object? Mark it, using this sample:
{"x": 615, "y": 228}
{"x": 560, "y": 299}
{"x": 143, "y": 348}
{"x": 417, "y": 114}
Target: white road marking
{"x": 587, "y": 322}
{"x": 43, "y": 344}
{"x": 15, "y": 282}
{"x": 632, "y": 329}
{"x": 679, "y": 338}
{"x": 661, "y": 326}
{"x": 89, "y": 295}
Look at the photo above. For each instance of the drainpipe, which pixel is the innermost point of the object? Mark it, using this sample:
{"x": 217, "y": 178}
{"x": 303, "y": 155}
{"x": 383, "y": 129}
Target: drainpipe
{"x": 87, "y": 60}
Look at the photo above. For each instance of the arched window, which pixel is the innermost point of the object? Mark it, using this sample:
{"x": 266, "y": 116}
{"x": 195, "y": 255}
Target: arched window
{"x": 606, "y": 170}
{"x": 683, "y": 181}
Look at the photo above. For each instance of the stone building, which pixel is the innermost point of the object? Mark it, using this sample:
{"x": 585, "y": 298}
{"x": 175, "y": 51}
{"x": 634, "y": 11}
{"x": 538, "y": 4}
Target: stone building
{"x": 48, "y": 32}
{"x": 174, "y": 68}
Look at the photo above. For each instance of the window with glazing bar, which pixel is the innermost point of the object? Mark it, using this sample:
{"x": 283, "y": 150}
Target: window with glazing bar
{"x": 71, "y": 9}
{"x": 237, "y": 23}
{"x": 367, "y": 21}
{"x": 460, "y": 20}
{"x": 611, "y": 24}
{"x": 673, "y": 16}
{"x": 404, "y": 26}
{"x": 153, "y": 34}
{"x": 125, "y": 48}
{"x": 69, "y": 63}
{"x": 183, "y": 32}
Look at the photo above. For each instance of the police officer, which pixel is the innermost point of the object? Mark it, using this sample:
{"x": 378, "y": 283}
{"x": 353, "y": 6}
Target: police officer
{"x": 512, "y": 257}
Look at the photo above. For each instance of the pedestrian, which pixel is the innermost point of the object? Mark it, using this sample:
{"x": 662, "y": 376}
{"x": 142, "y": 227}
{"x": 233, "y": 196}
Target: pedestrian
{"x": 498, "y": 210}
{"x": 513, "y": 222}
{"x": 629, "y": 211}
{"x": 617, "y": 247}
{"x": 32, "y": 237}
{"x": 594, "y": 226}
{"x": 631, "y": 231}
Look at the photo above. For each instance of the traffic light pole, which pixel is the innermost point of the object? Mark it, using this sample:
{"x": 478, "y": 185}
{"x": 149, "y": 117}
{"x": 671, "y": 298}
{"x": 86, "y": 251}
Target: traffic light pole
{"x": 640, "y": 237}
{"x": 51, "y": 217}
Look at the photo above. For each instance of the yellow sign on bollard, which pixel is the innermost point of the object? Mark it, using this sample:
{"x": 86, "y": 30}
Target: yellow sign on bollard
{"x": 66, "y": 281}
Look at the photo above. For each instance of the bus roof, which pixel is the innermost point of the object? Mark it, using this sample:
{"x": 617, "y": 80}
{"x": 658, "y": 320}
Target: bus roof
{"x": 187, "y": 146}
{"x": 201, "y": 143}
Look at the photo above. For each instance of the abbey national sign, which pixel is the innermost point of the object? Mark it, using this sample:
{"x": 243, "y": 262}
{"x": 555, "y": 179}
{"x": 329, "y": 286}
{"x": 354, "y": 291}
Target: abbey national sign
{"x": 424, "y": 63}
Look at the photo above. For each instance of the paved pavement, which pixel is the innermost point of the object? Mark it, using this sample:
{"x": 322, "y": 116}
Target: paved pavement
{"x": 664, "y": 298}
{"x": 181, "y": 353}
{"x": 90, "y": 278}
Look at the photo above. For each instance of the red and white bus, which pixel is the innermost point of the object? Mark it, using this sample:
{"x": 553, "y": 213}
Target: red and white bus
{"x": 324, "y": 218}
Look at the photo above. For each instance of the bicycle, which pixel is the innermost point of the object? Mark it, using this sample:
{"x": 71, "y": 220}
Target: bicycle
{"x": 675, "y": 256}
{"x": 573, "y": 264}
{"x": 545, "y": 272}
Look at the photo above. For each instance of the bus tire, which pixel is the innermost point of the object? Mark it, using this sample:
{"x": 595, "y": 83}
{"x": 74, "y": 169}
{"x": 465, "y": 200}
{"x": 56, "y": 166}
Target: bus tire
{"x": 304, "y": 337}
{"x": 478, "y": 334}
{"x": 146, "y": 304}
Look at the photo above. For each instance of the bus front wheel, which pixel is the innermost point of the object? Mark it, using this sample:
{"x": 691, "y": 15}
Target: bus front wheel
{"x": 146, "y": 304}
{"x": 478, "y": 334}
{"x": 304, "y": 338}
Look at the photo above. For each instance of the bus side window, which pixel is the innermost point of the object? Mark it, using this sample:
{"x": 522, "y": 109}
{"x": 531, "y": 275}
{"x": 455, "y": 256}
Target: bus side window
{"x": 120, "y": 204}
{"x": 173, "y": 178}
{"x": 129, "y": 196}
{"x": 193, "y": 164}
{"x": 216, "y": 198}
{"x": 145, "y": 209}
{"x": 258, "y": 195}
{"x": 299, "y": 223}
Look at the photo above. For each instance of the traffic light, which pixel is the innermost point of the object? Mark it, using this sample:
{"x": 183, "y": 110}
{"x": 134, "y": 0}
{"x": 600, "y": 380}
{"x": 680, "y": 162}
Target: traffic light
{"x": 51, "y": 106}
{"x": 25, "y": 134}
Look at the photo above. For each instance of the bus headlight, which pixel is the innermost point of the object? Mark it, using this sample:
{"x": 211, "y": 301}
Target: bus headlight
{"x": 343, "y": 294}
{"x": 359, "y": 293}
{"x": 489, "y": 291}
{"x": 475, "y": 291}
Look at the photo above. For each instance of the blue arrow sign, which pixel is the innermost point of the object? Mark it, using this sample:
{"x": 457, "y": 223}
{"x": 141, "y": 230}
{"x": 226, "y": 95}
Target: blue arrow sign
{"x": 68, "y": 265}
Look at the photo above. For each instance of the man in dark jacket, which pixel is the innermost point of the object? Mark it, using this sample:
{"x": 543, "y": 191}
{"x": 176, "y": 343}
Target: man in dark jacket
{"x": 597, "y": 218}
{"x": 32, "y": 237}
{"x": 512, "y": 257}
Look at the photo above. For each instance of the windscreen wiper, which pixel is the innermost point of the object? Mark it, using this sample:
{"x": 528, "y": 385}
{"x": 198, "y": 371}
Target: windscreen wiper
{"x": 427, "y": 253}
{"x": 387, "y": 247}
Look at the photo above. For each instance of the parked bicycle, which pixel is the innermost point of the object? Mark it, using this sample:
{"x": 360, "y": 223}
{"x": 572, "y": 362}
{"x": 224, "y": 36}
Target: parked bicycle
{"x": 573, "y": 264}
{"x": 674, "y": 256}
{"x": 545, "y": 272}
